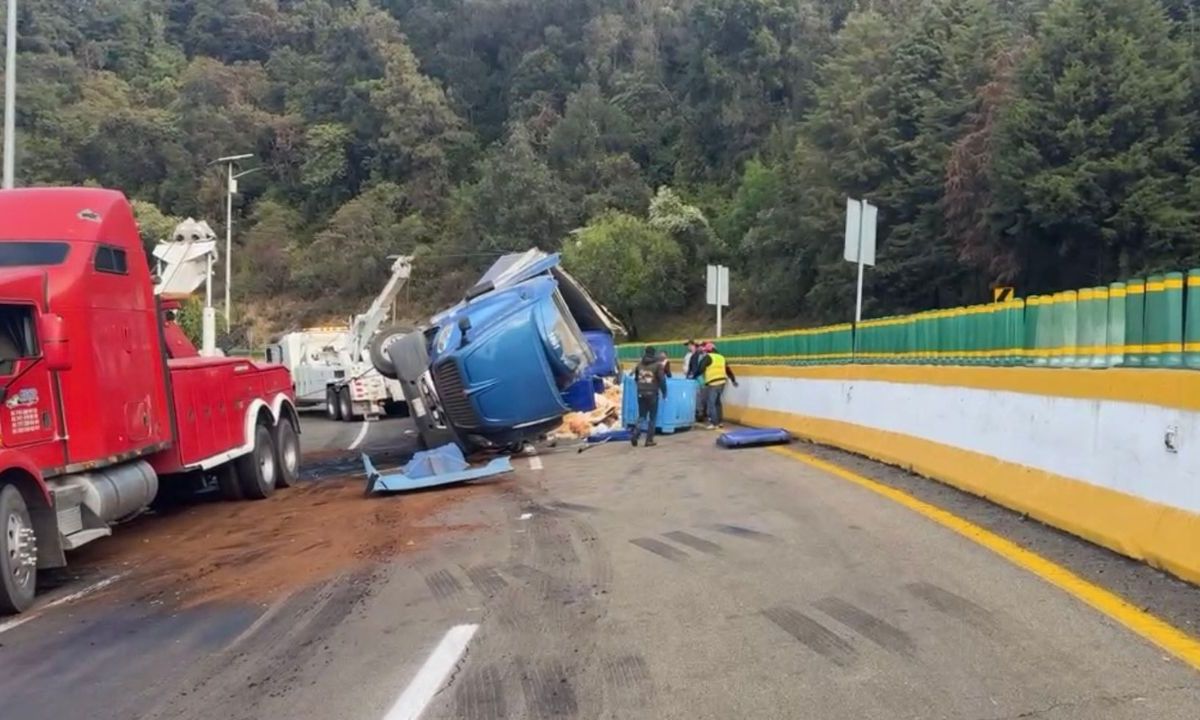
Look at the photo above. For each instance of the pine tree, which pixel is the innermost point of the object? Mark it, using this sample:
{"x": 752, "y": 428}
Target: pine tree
{"x": 1092, "y": 156}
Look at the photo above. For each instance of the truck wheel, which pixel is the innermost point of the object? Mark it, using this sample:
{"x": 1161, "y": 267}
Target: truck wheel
{"x": 287, "y": 453}
{"x": 257, "y": 470}
{"x": 333, "y": 409}
{"x": 18, "y": 552}
{"x": 377, "y": 349}
{"x": 227, "y": 481}
{"x": 345, "y": 404}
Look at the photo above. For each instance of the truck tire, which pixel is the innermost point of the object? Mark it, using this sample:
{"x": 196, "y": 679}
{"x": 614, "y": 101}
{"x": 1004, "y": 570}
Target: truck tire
{"x": 257, "y": 470}
{"x": 227, "y": 482}
{"x": 287, "y": 453}
{"x": 333, "y": 409}
{"x": 345, "y": 404}
{"x": 377, "y": 349}
{"x": 18, "y": 552}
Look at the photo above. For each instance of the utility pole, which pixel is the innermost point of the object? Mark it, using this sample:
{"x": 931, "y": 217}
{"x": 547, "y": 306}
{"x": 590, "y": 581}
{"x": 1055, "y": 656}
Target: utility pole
{"x": 10, "y": 95}
{"x": 230, "y": 191}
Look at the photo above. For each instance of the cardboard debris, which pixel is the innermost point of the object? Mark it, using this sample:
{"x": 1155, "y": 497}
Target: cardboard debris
{"x": 606, "y": 416}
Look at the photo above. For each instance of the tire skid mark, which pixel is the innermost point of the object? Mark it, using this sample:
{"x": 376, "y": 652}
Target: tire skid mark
{"x": 486, "y": 579}
{"x": 442, "y": 584}
{"x": 574, "y": 507}
{"x": 661, "y": 549}
{"x": 873, "y": 628}
{"x": 694, "y": 542}
{"x": 812, "y": 635}
{"x": 480, "y": 695}
{"x": 954, "y": 605}
{"x": 547, "y": 689}
{"x": 626, "y": 672}
{"x": 744, "y": 532}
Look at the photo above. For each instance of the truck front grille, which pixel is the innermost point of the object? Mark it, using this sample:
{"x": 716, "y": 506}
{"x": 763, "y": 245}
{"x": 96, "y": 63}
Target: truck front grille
{"x": 453, "y": 395}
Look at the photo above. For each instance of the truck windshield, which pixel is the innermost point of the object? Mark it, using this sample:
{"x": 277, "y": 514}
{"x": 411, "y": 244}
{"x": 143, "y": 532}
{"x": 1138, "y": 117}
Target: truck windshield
{"x": 22, "y": 253}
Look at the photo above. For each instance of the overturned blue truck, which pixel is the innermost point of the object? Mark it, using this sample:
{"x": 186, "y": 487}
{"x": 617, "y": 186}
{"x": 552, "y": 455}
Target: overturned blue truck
{"x": 497, "y": 369}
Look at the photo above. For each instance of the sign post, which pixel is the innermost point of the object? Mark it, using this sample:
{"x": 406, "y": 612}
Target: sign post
{"x": 861, "y": 217}
{"x": 717, "y": 291}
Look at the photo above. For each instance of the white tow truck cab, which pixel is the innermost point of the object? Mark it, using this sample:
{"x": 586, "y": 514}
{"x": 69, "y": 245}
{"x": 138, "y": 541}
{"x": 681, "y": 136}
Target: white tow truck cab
{"x": 332, "y": 366}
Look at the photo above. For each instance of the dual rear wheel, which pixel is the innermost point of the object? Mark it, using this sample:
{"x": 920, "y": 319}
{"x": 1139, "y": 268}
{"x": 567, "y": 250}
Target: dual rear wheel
{"x": 338, "y": 405}
{"x": 273, "y": 462}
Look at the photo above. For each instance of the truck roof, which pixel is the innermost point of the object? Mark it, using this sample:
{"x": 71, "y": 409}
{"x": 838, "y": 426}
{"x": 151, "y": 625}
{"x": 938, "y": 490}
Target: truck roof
{"x": 70, "y": 214}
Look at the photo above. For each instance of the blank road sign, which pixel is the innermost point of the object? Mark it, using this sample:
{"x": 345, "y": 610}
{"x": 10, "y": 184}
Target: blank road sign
{"x": 718, "y": 285}
{"x": 861, "y": 217}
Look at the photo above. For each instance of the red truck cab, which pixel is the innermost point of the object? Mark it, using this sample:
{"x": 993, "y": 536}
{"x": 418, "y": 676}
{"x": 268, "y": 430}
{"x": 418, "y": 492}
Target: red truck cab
{"x": 104, "y": 403}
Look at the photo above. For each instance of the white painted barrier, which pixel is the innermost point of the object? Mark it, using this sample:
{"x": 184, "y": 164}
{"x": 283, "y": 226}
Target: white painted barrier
{"x": 1110, "y": 455}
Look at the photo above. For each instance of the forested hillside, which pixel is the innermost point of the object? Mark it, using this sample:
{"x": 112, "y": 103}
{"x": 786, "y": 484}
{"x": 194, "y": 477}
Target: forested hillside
{"x": 1041, "y": 143}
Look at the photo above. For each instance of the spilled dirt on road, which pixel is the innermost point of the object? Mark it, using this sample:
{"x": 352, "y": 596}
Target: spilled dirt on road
{"x": 215, "y": 551}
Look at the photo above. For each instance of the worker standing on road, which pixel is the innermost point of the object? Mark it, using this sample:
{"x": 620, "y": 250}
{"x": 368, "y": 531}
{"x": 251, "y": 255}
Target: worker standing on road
{"x": 651, "y": 382}
{"x": 687, "y": 359}
{"x": 693, "y": 373}
{"x": 666, "y": 363}
{"x": 715, "y": 372}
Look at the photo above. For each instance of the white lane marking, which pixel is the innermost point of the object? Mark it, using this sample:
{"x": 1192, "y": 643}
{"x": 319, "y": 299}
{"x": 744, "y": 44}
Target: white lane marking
{"x": 262, "y": 620}
{"x": 535, "y": 463}
{"x": 526, "y": 516}
{"x": 432, "y": 674}
{"x": 362, "y": 433}
{"x": 21, "y": 620}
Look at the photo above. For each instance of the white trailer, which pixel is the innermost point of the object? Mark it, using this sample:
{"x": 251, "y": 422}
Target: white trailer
{"x": 332, "y": 366}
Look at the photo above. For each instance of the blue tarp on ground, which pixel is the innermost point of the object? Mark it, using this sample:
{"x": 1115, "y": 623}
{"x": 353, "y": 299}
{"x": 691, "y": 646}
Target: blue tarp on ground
{"x": 428, "y": 468}
{"x": 754, "y": 437}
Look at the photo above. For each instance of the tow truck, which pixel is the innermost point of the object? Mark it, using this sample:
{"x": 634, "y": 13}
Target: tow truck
{"x": 334, "y": 366}
{"x": 105, "y": 404}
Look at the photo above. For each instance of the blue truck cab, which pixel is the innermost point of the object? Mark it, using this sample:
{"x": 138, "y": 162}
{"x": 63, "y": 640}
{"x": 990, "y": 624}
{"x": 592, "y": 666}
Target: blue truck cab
{"x": 490, "y": 372}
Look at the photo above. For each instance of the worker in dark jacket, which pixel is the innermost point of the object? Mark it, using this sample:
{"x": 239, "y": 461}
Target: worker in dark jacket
{"x": 715, "y": 372}
{"x": 651, "y": 383}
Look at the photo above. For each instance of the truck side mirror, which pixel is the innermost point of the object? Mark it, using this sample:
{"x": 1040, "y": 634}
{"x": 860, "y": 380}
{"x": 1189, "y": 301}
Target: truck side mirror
{"x": 52, "y": 334}
{"x": 464, "y": 324}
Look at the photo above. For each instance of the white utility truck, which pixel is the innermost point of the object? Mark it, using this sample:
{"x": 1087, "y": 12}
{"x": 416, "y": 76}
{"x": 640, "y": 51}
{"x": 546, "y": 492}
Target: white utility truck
{"x": 333, "y": 365}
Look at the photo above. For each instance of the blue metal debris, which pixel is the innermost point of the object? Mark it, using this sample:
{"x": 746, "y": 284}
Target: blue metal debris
{"x": 428, "y": 468}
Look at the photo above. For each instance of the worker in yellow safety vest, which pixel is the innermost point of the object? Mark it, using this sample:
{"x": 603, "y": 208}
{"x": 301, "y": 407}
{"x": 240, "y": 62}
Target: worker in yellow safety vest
{"x": 715, "y": 372}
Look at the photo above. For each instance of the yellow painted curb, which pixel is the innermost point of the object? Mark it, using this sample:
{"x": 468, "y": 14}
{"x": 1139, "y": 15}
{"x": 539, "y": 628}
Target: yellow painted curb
{"x": 1156, "y": 630}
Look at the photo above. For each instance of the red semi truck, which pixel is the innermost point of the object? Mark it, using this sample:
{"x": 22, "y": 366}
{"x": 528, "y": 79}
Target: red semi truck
{"x": 104, "y": 402}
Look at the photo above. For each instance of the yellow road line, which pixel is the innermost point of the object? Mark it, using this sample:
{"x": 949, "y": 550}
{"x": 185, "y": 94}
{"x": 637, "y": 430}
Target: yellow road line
{"x": 1158, "y": 631}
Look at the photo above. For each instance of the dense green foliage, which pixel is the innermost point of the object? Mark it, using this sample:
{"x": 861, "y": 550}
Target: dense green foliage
{"x": 1042, "y": 143}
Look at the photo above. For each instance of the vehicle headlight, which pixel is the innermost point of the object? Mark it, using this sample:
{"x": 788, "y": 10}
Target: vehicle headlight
{"x": 443, "y": 339}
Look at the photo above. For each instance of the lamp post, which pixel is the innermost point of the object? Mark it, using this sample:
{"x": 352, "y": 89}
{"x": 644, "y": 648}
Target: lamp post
{"x": 10, "y": 94}
{"x": 230, "y": 190}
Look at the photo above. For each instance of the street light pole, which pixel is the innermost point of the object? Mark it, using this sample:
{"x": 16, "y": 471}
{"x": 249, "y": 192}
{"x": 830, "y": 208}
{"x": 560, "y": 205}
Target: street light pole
{"x": 10, "y": 95}
{"x": 230, "y": 189}
{"x": 228, "y": 240}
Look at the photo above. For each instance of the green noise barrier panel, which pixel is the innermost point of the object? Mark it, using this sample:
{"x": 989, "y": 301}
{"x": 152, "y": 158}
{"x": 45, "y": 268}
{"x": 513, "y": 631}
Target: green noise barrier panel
{"x": 1136, "y": 323}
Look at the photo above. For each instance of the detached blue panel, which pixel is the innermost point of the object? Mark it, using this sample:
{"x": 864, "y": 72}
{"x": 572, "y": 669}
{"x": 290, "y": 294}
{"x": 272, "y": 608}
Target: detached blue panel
{"x": 753, "y": 437}
{"x": 441, "y": 466}
{"x": 605, "y": 350}
{"x": 610, "y": 436}
{"x": 580, "y": 396}
{"x": 676, "y": 412}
